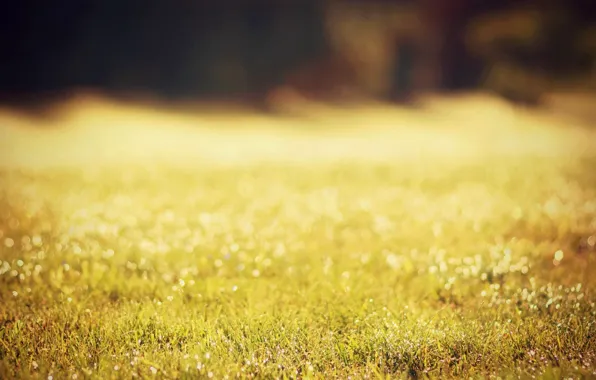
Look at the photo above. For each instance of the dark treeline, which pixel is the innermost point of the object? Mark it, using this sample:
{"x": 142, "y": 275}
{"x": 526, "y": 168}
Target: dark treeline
{"x": 172, "y": 48}
{"x": 185, "y": 48}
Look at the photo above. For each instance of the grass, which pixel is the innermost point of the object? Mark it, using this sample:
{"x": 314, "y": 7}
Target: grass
{"x": 427, "y": 266}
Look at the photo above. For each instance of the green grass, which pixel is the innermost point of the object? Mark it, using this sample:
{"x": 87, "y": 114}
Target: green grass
{"x": 441, "y": 268}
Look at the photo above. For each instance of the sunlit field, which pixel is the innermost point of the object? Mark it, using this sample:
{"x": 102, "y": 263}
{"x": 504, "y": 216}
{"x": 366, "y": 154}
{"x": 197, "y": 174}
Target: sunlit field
{"x": 456, "y": 240}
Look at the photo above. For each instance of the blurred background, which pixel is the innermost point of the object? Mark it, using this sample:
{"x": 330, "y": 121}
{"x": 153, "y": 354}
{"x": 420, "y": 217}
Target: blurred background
{"x": 262, "y": 52}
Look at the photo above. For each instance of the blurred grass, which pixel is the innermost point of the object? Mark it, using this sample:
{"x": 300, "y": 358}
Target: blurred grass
{"x": 394, "y": 251}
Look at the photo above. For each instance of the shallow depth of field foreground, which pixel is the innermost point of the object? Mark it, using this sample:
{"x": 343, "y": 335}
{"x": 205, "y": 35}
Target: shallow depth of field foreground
{"x": 454, "y": 241}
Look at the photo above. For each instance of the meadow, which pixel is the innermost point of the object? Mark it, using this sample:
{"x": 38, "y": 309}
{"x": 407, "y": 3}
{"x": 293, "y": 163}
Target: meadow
{"x": 394, "y": 245}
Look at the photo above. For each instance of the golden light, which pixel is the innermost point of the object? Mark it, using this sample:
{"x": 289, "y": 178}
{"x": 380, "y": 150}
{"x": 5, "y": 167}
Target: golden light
{"x": 92, "y": 130}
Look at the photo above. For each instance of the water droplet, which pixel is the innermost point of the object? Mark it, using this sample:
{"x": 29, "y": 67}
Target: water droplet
{"x": 36, "y": 241}
{"x": 393, "y": 261}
